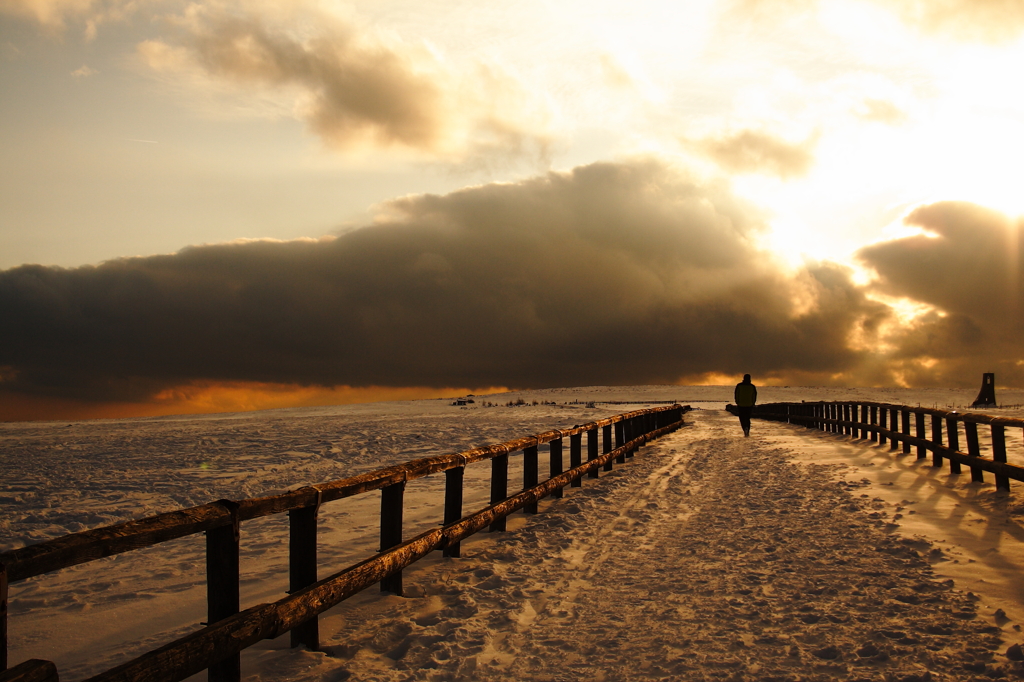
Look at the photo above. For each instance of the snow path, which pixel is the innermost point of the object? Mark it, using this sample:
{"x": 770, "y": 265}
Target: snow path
{"x": 708, "y": 556}
{"x": 976, "y": 531}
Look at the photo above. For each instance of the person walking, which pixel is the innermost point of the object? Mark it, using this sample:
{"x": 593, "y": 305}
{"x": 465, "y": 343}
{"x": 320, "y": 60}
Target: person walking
{"x": 745, "y": 396}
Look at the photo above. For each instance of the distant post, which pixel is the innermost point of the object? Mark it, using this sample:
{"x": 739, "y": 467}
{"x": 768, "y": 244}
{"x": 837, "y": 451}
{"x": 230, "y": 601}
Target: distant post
{"x": 987, "y": 394}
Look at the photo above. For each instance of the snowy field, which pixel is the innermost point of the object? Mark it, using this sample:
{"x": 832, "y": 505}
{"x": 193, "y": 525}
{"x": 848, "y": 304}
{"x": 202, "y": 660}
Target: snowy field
{"x": 706, "y": 556}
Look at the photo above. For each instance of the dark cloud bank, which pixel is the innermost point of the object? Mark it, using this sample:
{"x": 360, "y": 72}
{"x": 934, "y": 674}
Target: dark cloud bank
{"x": 968, "y": 268}
{"x": 611, "y": 274}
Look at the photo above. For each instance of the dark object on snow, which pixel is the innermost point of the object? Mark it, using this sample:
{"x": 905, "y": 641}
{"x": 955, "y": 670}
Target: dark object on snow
{"x": 987, "y": 394}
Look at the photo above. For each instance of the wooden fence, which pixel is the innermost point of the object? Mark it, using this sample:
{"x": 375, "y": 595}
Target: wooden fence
{"x": 881, "y": 422}
{"x": 217, "y": 647}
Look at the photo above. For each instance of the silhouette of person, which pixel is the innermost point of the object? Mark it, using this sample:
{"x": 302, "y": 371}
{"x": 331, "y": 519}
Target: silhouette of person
{"x": 745, "y": 396}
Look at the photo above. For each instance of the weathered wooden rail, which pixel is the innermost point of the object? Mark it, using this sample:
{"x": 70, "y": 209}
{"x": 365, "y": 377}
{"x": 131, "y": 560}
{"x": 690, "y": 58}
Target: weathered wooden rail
{"x": 217, "y": 647}
{"x": 881, "y": 422}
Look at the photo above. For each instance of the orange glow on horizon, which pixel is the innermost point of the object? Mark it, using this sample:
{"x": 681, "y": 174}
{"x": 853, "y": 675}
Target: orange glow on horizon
{"x": 214, "y": 397}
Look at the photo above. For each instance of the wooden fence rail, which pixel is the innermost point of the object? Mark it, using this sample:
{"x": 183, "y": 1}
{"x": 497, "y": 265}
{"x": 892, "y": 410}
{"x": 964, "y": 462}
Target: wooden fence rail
{"x": 230, "y": 630}
{"x": 882, "y": 422}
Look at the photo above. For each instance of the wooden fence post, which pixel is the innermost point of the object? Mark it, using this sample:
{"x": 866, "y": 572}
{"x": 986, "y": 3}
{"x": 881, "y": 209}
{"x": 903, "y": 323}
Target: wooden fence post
{"x": 937, "y": 439}
{"x": 453, "y": 479}
{"x": 874, "y": 423}
{"x": 882, "y": 424}
{"x": 974, "y": 450}
{"x": 3, "y": 617}
{"x": 629, "y": 432}
{"x": 531, "y": 474}
{"x": 855, "y": 418}
{"x": 922, "y": 451}
{"x": 392, "y": 503}
{"x": 592, "y": 451}
{"x": 576, "y": 457}
{"x": 499, "y": 486}
{"x": 999, "y": 454}
{"x": 606, "y": 444}
{"x": 302, "y": 567}
{"x": 620, "y": 438}
{"x": 894, "y": 426}
{"x": 846, "y": 409}
{"x": 222, "y": 598}
{"x": 906, "y": 431}
{"x": 556, "y": 464}
{"x": 953, "y": 438}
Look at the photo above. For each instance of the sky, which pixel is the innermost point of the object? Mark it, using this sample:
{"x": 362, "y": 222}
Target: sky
{"x": 225, "y": 205}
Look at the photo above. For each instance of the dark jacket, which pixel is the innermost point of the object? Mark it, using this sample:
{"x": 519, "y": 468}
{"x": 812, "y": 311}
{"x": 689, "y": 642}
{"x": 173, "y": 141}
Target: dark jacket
{"x": 745, "y": 394}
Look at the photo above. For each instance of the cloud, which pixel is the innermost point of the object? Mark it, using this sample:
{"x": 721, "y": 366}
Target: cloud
{"x": 55, "y": 16}
{"x": 751, "y": 151}
{"x": 880, "y": 111}
{"x": 84, "y": 71}
{"x": 969, "y": 20}
{"x": 355, "y": 89}
{"x": 966, "y": 266}
{"x": 613, "y": 273}
{"x": 50, "y": 13}
{"x": 350, "y": 88}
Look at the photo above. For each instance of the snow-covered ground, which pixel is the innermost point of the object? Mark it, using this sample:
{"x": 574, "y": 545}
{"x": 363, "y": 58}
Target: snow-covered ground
{"x": 707, "y": 556}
